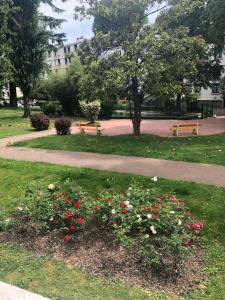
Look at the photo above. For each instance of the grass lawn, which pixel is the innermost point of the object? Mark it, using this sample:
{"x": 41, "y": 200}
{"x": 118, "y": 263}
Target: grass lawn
{"x": 55, "y": 280}
{"x": 202, "y": 149}
{"x": 12, "y": 122}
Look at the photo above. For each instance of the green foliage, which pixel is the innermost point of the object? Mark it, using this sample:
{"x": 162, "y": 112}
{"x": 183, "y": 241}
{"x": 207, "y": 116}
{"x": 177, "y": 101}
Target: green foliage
{"x": 6, "y": 13}
{"x": 64, "y": 87}
{"x": 135, "y": 59}
{"x": 91, "y": 110}
{"x": 58, "y": 209}
{"x": 32, "y": 36}
{"x": 40, "y": 122}
{"x": 49, "y": 108}
{"x": 159, "y": 228}
{"x": 63, "y": 125}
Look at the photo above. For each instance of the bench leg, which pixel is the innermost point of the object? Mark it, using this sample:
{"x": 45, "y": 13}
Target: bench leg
{"x": 175, "y": 133}
{"x": 82, "y": 131}
{"x": 99, "y": 133}
{"x": 195, "y": 131}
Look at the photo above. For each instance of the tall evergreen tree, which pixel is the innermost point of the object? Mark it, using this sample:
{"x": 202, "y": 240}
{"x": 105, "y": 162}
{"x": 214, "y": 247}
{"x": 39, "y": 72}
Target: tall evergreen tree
{"x": 32, "y": 38}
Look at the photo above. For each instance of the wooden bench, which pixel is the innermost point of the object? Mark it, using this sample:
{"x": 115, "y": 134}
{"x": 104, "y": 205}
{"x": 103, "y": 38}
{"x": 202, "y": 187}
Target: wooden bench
{"x": 88, "y": 126}
{"x": 194, "y": 127}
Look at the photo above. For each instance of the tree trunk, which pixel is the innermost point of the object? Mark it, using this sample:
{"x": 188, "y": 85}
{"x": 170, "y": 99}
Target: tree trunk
{"x": 137, "y": 101}
{"x": 13, "y": 95}
{"x": 178, "y": 102}
{"x": 27, "y": 112}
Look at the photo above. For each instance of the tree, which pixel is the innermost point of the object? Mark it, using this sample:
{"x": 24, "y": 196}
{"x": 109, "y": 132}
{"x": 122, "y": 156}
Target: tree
{"x": 136, "y": 59}
{"x": 31, "y": 40}
{"x": 6, "y": 12}
{"x": 64, "y": 87}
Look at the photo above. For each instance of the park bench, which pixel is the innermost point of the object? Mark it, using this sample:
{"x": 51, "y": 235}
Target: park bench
{"x": 194, "y": 127}
{"x": 88, "y": 126}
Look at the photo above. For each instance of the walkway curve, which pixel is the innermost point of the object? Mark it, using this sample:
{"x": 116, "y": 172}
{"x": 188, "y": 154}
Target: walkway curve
{"x": 193, "y": 172}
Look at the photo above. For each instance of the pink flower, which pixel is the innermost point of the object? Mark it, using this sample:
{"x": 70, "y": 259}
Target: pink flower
{"x": 124, "y": 211}
{"x": 66, "y": 200}
{"x": 67, "y": 216}
{"x": 53, "y": 198}
{"x": 123, "y": 205}
{"x": 72, "y": 227}
{"x": 79, "y": 221}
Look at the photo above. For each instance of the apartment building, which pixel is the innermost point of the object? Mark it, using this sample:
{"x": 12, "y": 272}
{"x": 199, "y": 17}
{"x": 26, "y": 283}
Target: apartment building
{"x": 212, "y": 95}
{"x": 60, "y": 59}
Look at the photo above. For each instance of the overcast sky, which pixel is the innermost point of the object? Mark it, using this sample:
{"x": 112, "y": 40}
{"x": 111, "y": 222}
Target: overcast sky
{"x": 72, "y": 28}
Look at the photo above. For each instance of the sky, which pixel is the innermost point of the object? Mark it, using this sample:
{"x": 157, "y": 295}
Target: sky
{"x": 73, "y": 29}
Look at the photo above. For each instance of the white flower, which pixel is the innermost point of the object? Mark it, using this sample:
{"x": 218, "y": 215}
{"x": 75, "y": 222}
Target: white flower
{"x": 19, "y": 208}
{"x": 130, "y": 189}
{"x": 113, "y": 212}
{"x": 149, "y": 216}
{"x": 155, "y": 179}
{"x": 127, "y": 202}
{"x": 139, "y": 220}
{"x": 51, "y": 187}
{"x": 51, "y": 219}
{"x": 130, "y": 206}
{"x": 153, "y": 229}
{"x": 146, "y": 236}
{"x": 138, "y": 216}
{"x": 179, "y": 223}
{"x": 172, "y": 212}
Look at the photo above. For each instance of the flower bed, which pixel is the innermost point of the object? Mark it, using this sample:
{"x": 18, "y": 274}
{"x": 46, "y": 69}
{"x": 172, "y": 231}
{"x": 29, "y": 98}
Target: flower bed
{"x": 158, "y": 231}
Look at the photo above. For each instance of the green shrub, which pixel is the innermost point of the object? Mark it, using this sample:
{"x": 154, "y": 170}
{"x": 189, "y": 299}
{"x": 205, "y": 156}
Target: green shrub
{"x": 91, "y": 110}
{"x": 49, "y": 108}
{"x": 40, "y": 122}
{"x": 107, "y": 109}
{"x": 52, "y": 208}
{"x": 63, "y": 125}
{"x": 159, "y": 229}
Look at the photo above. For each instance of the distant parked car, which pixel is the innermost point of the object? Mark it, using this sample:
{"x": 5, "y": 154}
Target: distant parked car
{"x": 20, "y": 104}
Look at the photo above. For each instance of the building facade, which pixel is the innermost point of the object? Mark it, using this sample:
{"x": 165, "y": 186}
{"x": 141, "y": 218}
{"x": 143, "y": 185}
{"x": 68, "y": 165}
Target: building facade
{"x": 60, "y": 59}
{"x": 212, "y": 95}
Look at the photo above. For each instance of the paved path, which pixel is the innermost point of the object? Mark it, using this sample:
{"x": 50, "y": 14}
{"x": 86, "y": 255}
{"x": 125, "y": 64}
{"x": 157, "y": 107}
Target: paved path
{"x": 201, "y": 173}
{"x": 9, "y": 292}
{"x": 160, "y": 127}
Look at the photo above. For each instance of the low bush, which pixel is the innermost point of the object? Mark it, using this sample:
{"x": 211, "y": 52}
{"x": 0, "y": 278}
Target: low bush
{"x": 40, "y": 122}
{"x": 52, "y": 208}
{"x": 63, "y": 125}
{"x": 159, "y": 230}
{"x": 49, "y": 108}
{"x": 91, "y": 110}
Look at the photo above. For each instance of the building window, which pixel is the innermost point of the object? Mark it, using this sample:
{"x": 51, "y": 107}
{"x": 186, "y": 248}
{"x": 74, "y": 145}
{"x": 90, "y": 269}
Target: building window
{"x": 68, "y": 49}
{"x": 197, "y": 89}
{"x": 64, "y": 49}
{"x": 59, "y": 62}
{"x": 66, "y": 61}
{"x": 216, "y": 88}
{"x": 75, "y": 47}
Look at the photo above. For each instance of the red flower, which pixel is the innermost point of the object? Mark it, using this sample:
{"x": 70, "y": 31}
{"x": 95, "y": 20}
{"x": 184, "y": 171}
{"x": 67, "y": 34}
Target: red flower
{"x": 53, "y": 198}
{"x": 158, "y": 199}
{"x": 96, "y": 207}
{"x": 76, "y": 204}
{"x": 196, "y": 226}
{"x": 66, "y": 200}
{"x": 67, "y": 216}
{"x": 124, "y": 211}
{"x": 72, "y": 227}
{"x": 66, "y": 238}
{"x": 66, "y": 231}
{"x": 123, "y": 205}
{"x": 79, "y": 221}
